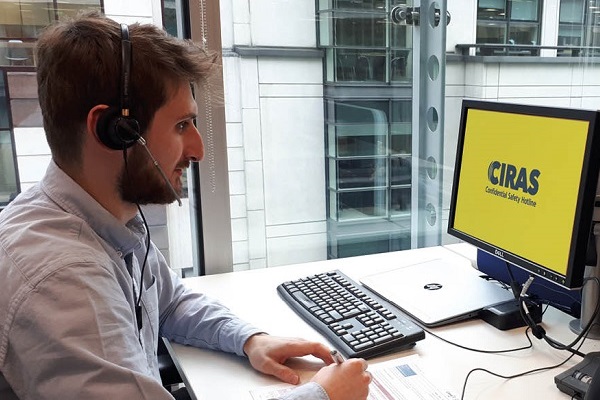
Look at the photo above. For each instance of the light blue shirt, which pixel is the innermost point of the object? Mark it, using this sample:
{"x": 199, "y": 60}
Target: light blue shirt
{"x": 67, "y": 321}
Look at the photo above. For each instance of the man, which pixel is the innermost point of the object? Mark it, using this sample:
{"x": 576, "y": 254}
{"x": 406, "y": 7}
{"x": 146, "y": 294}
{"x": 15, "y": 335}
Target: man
{"x": 85, "y": 294}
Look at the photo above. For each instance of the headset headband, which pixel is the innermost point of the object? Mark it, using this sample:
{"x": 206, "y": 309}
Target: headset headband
{"x": 126, "y": 69}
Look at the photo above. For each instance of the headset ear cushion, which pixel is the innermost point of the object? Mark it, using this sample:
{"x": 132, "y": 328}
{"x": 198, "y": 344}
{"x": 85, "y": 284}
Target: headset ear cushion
{"x": 112, "y": 133}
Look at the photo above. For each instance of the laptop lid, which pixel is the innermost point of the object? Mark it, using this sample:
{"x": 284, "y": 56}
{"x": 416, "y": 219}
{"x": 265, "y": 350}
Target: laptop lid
{"x": 437, "y": 292}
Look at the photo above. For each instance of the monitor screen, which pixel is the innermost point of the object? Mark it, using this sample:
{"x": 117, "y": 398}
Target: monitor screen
{"x": 525, "y": 185}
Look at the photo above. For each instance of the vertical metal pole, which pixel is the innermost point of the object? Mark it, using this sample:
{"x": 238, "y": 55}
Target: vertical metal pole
{"x": 428, "y": 122}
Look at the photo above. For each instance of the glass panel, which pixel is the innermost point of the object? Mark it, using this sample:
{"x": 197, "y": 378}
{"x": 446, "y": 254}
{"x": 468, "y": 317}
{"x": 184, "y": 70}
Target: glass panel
{"x": 401, "y": 171}
{"x": 491, "y": 9}
{"x": 325, "y": 4}
{"x": 34, "y": 17}
{"x": 572, "y": 11}
{"x": 401, "y": 66}
{"x": 364, "y": 30}
{"x": 360, "y": 130}
{"x": 170, "y": 17}
{"x": 401, "y": 36}
{"x": 325, "y": 29}
{"x": 356, "y": 246}
{"x": 362, "y": 173}
{"x": 594, "y": 40}
{"x": 333, "y": 176}
{"x": 331, "y": 140}
{"x": 401, "y": 201}
{"x": 362, "y": 204}
{"x": 333, "y": 201}
{"x": 401, "y": 127}
{"x": 26, "y": 113}
{"x": 490, "y": 33}
{"x": 523, "y": 34}
{"x": 359, "y": 145}
{"x": 8, "y": 178}
{"x": 524, "y": 10}
{"x": 593, "y": 12}
{"x": 16, "y": 52}
{"x": 360, "y": 4}
{"x": 570, "y": 35}
{"x": 4, "y": 119}
{"x": 360, "y": 65}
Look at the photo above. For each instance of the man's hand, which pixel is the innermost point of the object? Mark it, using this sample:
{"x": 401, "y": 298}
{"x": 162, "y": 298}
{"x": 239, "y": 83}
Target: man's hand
{"x": 268, "y": 354}
{"x": 346, "y": 381}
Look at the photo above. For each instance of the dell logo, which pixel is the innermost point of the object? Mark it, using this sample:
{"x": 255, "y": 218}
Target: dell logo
{"x": 432, "y": 286}
{"x": 499, "y": 253}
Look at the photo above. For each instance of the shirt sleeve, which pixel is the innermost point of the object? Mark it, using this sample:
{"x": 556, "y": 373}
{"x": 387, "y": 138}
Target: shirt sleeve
{"x": 308, "y": 391}
{"x": 195, "y": 319}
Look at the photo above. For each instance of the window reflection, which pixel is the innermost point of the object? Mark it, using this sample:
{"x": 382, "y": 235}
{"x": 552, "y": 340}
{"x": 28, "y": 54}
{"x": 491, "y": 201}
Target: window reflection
{"x": 579, "y": 23}
{"x": 8, "y": 176}
{"x": 370, "y": 166}
{"x": 22, "y": 21}
{"x": 508, "y": 22}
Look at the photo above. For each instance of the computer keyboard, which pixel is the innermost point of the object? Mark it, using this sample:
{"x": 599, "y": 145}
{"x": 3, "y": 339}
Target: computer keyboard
{"x": 356, "y": 323}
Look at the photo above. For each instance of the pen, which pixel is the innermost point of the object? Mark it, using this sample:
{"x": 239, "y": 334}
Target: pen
{"x": 337, "y": 357}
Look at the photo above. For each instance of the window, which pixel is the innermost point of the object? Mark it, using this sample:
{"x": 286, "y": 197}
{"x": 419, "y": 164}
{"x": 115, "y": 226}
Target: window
{"x": 21, "y": 22}
{"x": 369, "y": 174}
{"x": 20, "y": 117}
{"x": 368, "y": 118}
{"x": 362, "y": 46}
{"x": 9, "y": 183}
{"x": 579, "y": 23}
{"x": 508, "y": 22}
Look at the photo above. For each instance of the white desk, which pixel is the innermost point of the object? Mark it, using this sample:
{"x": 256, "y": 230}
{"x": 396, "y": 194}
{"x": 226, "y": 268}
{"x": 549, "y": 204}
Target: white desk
{"x": 252, "y": 295}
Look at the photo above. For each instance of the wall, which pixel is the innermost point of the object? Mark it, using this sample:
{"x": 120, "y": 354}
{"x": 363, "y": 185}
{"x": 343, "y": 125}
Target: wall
{"x": 274, "y": 113}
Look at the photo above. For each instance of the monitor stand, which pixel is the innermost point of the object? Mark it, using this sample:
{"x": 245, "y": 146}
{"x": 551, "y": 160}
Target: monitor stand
{"x": 590, "y": 294}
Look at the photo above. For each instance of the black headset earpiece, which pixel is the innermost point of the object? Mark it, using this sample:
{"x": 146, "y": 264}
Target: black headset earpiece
{"x": 115, "y": 128}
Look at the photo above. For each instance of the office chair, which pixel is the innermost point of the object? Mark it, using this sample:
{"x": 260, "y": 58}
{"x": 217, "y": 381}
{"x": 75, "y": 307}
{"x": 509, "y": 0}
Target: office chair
{"x": 166, "y": 367}
{"x": 398, "y": 68}
{"x": 363, "y": 68}
{"x": 16, "y": 54}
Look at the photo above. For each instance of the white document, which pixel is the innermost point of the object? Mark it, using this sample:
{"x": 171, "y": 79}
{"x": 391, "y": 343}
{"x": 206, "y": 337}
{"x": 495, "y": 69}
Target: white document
{"x": 399, "y": 379}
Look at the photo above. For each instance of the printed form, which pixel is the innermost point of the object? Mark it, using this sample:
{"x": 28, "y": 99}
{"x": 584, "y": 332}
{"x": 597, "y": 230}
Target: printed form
{"x": 400, "y": 379}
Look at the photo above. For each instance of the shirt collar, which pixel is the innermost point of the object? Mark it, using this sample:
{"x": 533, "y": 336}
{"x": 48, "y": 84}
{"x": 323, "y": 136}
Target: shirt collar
{"x": 75, "y": 200}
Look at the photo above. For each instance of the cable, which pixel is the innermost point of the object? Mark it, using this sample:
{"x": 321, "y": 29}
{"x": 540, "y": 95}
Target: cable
{"x": 537, "y": 330}
{"x": 462, "y": 395}
{"x": 138, "y": 301}
{"x": 519, "y": 374}
{"x": 480, "y": 350}
{"x": 540, "y": 333}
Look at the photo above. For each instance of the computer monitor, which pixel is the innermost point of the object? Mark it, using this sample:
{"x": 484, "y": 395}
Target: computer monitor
{"x": 525, "y": 185}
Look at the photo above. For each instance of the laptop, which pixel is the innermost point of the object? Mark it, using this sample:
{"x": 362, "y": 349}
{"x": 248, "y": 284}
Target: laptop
{"x": 437, "y": 292}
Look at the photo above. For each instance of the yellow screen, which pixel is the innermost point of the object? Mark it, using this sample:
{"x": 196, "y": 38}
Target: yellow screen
{"x": 519, "y": 182}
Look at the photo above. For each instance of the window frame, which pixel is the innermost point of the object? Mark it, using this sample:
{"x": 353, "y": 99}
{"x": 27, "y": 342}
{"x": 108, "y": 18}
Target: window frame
{"x": 507, "y": 22}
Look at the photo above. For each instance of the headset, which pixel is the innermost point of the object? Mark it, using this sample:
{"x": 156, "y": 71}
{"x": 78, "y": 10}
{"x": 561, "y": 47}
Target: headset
{"x": 115, "y": 128}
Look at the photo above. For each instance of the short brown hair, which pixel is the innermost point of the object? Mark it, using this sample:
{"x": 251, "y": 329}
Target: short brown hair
{"x": 79, "y": 67}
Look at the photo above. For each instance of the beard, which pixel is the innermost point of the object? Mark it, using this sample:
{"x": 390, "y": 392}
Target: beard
{"x": 140, "y": 182}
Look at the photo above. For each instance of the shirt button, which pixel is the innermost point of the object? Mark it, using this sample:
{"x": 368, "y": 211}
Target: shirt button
{"x": 120, "y": 254}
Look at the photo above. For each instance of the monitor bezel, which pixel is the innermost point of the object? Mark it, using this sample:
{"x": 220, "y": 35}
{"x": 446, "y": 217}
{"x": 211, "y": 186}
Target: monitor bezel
{"x": 582, "y": 226}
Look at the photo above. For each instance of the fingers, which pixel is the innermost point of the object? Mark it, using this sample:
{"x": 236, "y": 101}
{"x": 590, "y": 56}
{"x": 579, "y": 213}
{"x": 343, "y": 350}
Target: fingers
{"x": 284, "y": 373}
{"x": 300, "y": 348}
